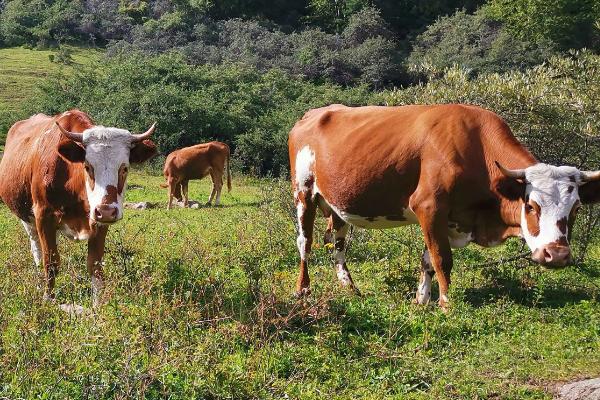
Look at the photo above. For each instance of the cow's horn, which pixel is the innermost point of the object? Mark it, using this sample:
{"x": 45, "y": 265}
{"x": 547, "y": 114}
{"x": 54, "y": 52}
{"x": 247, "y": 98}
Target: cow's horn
{"x": 511, "y": 173}
{"x": 76, "y": 137}
{"x": 589, "y": 176}
{"x": 143, "y": 136}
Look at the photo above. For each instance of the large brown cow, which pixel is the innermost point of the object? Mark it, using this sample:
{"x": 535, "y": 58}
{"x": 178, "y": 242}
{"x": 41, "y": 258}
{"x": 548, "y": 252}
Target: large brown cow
{"x": 195, "y": 162}
{"x": 445, "y": 167}
{"x": 65, "y": 173}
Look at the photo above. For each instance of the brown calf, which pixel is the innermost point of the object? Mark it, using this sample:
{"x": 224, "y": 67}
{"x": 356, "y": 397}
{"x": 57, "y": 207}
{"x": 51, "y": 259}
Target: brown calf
{"x": 195, "y": 162}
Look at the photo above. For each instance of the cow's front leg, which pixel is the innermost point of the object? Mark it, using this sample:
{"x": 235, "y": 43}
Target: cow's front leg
{"x": 424, "y": 290}
{"x": 341, "y": 230}
{"x": 306, "y": 208}
{"x": 34, "y": 239}
{"x": 94, "y": 263}
{"x": 434, "y": 224}
{"x": 328, "y": 236}
{"x": 45, "y": 222}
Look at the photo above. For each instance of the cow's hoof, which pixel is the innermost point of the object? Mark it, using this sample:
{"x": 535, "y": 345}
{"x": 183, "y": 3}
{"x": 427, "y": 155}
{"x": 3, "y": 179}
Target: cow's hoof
{"x": 328, "y": 239}
{"x": 444, "y": 304}
{"x": 302, "y": 292}
{"x": 422, "y": 300}
{"x": 73, "y": 309}
{"x": 356, "y": 291}
{"x": 207, "y": 204}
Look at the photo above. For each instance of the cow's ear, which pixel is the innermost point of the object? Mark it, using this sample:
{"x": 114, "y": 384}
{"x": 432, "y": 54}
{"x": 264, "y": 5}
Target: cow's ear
{"x": 142, "y": 151}
{"x": 512, "y": 189}
{"x": 71, "y": 151}
{"x": 590, "y": 192}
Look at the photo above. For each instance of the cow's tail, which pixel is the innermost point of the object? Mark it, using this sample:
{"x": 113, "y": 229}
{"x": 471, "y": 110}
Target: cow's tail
{"x": 228, "y": 171}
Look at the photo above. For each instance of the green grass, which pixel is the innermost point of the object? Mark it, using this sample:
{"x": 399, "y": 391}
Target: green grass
{"x": 199, "y": 305}
{"x": 22, "y": 70}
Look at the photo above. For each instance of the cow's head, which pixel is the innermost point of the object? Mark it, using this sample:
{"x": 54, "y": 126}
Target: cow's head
{"x": 549, "y": 207}
{"x": 106, "y": 154}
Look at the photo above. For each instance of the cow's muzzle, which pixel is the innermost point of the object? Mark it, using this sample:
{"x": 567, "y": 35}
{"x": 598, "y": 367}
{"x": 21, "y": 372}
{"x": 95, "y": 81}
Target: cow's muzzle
{"x": 552, "y": 255}
{"x": 106, "y": 214}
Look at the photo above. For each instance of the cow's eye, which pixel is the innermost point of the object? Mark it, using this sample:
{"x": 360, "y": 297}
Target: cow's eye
{"x": 529, "y": 208}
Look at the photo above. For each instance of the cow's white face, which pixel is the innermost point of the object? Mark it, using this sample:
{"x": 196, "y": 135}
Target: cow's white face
{"x": 549, "y": 209}
{"x": 105, "y": 154}
{"x": 106, "y": 165}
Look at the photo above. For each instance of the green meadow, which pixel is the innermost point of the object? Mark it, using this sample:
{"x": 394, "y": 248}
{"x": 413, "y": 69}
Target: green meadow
{"x": 199, "y": 304}
{"x": 22, "y": 71}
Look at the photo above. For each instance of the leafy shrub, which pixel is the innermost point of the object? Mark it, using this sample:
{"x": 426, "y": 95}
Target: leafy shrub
{"x": 475, "y": 42}
{"x": 364, "y": 53}
{"x": 570, "y": 23}
{"x": 552, "y": 108}
{"x": 250, "y": 110}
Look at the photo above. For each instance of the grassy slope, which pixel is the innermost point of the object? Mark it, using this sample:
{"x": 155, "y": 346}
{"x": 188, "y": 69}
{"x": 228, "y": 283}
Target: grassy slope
{"x": 21, "y": 70}
{"x": 199, "y": 305}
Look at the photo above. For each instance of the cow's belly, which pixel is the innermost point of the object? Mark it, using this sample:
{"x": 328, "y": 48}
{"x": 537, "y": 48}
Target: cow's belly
{"x": 397, "y": 219}
{"x": 380, "y": 221}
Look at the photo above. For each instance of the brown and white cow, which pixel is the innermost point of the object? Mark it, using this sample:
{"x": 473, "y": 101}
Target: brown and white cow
{"x": 195, "y": 162}
{"x": 64, "y": 173}
{"x": 444, "y": 167}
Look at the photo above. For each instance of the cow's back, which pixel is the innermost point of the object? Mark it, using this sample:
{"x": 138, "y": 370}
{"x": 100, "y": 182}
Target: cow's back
{"x": 194, "y": 162}
{"x": 20, "y": 161}
{"x": 378, "y": 155}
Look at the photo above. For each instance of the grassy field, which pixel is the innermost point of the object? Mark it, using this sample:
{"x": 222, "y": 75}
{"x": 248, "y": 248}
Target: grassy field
{"x": 199, "y": 305}
{"x": 22, "y": 70}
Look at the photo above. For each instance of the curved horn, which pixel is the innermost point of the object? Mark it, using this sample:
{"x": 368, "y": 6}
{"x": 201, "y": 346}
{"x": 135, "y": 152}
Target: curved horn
{"x": 589, "y": 176}
{"x": 143, "y": 136}
{"x": 76, "y": 137}
{"x": 511, "y": 173}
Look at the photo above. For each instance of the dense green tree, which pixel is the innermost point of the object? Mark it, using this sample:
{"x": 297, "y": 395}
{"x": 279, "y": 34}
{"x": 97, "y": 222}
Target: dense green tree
{"x": 477, "y": 43}
{"x": 570, "y": 23}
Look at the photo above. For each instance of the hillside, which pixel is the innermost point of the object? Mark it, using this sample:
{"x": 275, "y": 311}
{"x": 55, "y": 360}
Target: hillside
{"x": 22, "y": 70}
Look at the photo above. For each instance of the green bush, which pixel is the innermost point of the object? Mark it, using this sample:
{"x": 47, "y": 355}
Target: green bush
{"x": 476, "y": 42}
{"x": 250, "y": 110}
{"x": 553, "y": 108}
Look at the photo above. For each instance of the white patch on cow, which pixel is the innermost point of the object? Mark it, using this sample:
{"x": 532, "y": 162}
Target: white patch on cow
{"x": 301, "y": 241}
{"x": 458, "y": 239}
{"x": 444, "y": 299}
{"x": 34, "y": 239}
{"x": 72, "y": 234}
{"x": 106, "y": 149}
{"x": 343, "y": 275}
{"x": 424, "y": 290}
{"x": 378, "y": 222}
{"x": 305, "y": 160}
{"x": 548, "y": 186}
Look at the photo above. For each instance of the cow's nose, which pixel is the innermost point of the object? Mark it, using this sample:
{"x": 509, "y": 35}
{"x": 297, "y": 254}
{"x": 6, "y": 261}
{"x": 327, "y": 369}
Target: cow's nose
{"x": 553, "y": 255}
{"x": 106, "y": 213}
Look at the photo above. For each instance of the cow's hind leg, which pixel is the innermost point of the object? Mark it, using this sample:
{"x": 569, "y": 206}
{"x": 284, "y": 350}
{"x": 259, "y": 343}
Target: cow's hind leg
{"x": 306, "y": 207}
{"x": 341, "y": 230}
{"x": 424, "y": 290}
{"x": 184, "y": 193}
{"x": 34, "y": 239}
{"x": 217, "y": 178}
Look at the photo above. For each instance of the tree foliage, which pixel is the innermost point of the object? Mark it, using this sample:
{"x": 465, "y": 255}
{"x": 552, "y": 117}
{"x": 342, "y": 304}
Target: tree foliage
{"x": 570, "y": 23}
{"x": 477, "y": 43}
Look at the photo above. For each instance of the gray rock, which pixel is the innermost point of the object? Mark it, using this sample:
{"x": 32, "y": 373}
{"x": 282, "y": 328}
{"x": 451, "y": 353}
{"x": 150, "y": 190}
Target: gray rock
{"x": 588, "y": 389}
{"x": 142, "y": 205}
